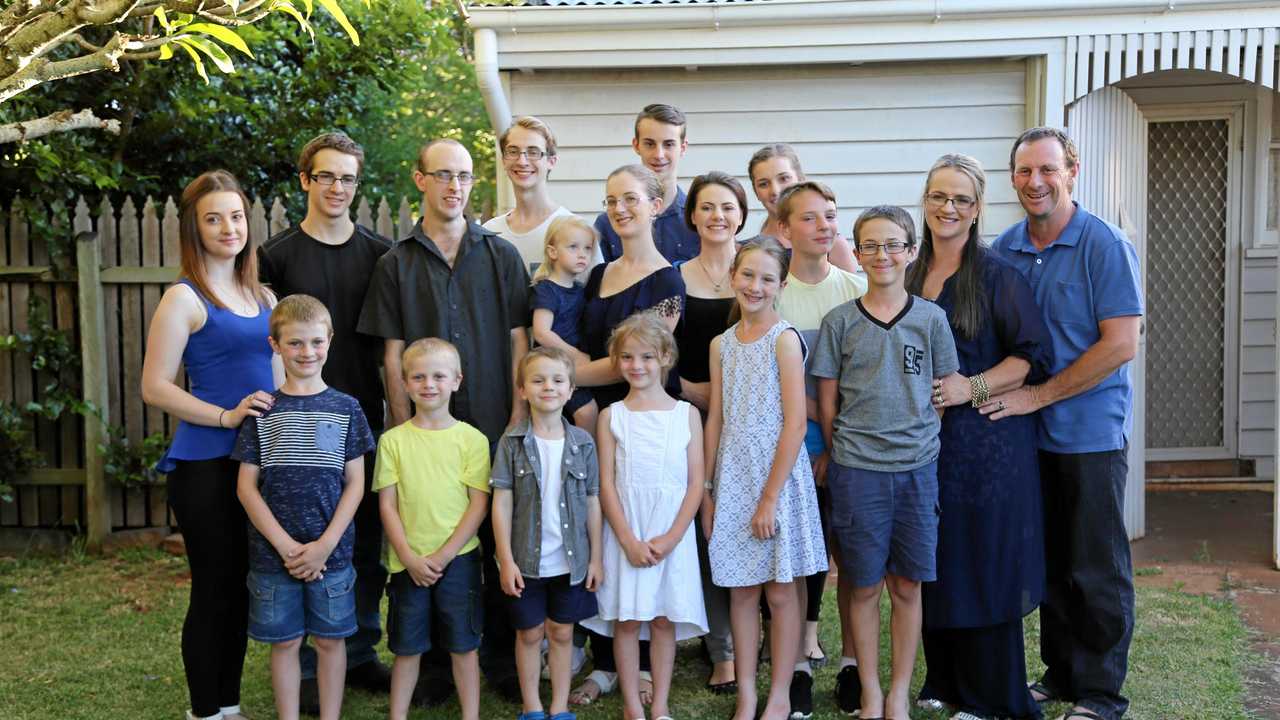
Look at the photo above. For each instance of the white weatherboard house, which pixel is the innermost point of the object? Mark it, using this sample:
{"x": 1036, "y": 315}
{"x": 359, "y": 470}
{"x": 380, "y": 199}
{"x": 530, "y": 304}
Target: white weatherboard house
{"x": 1172, "y": 102}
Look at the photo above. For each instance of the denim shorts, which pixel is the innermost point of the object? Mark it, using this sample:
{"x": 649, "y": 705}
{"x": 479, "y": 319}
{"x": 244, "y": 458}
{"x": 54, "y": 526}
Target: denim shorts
{"x": 454, "y": 602}
{"x": 885, "y": 522}
{"x": 283, "y": 608}
{"x": 552, "y": 598}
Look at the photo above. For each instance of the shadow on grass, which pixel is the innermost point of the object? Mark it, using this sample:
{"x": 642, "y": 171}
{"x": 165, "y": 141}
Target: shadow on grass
{"x": 92, "y": 639}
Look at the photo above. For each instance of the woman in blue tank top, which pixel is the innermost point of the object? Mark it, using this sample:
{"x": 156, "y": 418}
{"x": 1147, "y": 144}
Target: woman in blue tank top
{"x": 213, "y": 322}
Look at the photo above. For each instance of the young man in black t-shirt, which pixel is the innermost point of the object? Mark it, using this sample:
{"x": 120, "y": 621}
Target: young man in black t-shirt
{"x": 331, "y": 258}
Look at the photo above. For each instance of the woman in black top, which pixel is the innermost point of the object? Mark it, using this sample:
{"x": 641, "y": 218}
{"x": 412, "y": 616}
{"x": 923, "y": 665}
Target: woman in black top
{"x": 640, "y": 281}
{"x": 716, "y": 209}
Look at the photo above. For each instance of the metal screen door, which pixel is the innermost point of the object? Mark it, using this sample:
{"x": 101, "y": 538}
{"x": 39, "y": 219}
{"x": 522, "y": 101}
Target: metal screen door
{"x": 1188, "y": 201}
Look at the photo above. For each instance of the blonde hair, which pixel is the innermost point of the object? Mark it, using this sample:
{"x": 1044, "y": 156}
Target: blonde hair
{"x": 532, "y": 124}
{"x": 555, "y": 231}
{"x": 652, "y": 184}
{"x": 428, "y": 346}
{"x": 299, "y": 308}
{"x": 543, "y": 352}
{"x": 645, "y": 327}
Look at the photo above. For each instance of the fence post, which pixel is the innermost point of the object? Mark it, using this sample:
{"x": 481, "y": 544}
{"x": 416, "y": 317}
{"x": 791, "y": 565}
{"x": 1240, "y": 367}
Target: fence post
{"x": 93, "y": 360}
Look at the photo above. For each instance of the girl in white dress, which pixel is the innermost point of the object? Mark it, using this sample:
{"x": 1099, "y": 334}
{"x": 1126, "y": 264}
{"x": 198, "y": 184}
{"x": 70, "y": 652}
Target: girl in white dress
{"x": 651, "y": 476}
{"x": 761, "y": 518}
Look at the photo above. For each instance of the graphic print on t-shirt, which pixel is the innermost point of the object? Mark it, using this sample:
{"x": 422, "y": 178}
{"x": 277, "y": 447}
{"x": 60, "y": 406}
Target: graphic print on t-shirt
{"x": 911, "y": 359}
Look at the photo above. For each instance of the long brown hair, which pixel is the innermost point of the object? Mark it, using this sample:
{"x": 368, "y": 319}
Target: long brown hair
{"x": 193, "y": 253}
{"x": 969, "y": 313}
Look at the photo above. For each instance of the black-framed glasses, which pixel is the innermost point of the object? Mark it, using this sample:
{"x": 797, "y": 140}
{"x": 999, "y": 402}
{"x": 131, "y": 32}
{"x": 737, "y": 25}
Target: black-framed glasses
{"x": 890, "y": 248}
{"x": 327, "y": 179}
{"x": 511, "y": 152}
{"x": 961, "y": 202}
{"x": 444, "y": 177}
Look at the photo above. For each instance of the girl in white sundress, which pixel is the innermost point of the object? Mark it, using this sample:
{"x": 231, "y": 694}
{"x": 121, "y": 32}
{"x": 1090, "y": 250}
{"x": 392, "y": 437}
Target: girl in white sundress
{"x": 761, "y": 514}
{"x": 651, "y": 479}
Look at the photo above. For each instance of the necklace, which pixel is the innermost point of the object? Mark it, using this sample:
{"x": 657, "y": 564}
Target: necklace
{"x": 719, "y": 286}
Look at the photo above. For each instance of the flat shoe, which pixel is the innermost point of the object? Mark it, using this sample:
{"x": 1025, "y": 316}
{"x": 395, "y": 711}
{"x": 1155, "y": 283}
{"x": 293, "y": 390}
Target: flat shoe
{"x": 724, "y": 688}
{"x": 1041, "y": 689}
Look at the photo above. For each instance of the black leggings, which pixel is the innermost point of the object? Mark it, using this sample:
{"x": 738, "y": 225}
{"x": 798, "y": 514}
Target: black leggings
{"x": 816, "y": 583}
{"x": 202, "y": 494}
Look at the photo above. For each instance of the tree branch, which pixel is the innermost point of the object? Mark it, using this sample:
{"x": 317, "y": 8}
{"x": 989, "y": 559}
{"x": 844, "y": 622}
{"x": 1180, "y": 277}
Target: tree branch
{"x": 41, "y": 70}
{"x": 62, "y": 121}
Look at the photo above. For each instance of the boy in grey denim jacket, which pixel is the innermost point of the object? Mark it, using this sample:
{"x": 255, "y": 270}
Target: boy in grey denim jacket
{"x": 546, "y": 527}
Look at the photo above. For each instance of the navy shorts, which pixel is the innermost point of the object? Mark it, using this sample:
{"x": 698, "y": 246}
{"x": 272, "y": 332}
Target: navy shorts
{"x": 283, "y": 608}
{"x": 551, "y": 598}
{"x": 885, "y": 522}
{"x": 453, "y": 602}
{"x": 578, "y": 400}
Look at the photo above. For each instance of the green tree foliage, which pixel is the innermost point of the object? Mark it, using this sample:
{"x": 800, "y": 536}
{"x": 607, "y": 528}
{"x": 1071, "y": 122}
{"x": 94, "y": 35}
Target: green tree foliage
{"x": 409, "y": 79}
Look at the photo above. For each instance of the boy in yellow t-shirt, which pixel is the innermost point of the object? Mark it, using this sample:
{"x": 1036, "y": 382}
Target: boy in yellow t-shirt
{"x": 432, "y": 476}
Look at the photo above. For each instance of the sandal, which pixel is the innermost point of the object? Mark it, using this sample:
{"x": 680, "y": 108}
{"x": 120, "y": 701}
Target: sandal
{"x": 603, "y": 682}
{"x": 646, "y": 693}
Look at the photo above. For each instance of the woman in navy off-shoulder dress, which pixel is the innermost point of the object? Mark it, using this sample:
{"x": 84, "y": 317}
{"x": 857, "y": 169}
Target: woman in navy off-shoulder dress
{"x": 990, "y": 533}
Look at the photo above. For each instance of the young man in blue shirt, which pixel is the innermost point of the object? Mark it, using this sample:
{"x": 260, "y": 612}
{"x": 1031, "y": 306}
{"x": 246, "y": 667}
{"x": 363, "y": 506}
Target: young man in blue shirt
{"x": 660, "y": 142}
{"x": 1086, "y": 280}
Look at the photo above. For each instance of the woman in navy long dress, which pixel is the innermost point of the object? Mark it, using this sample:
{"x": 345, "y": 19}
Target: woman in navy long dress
{"x": 213, "y": 322}
{"x": 641, "y": 280}
{"x": 990, "y": 533}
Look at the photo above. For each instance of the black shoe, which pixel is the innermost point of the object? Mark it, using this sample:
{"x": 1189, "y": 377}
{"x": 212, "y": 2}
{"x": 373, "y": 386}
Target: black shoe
{"x": 508, "y": 687}
{"x": 372, "y": 676}
{"x": 429, "y": 693}
{"x": 801, "y": 696}
{"x": 309, "y": 697}
{"x": 849, "y": 690}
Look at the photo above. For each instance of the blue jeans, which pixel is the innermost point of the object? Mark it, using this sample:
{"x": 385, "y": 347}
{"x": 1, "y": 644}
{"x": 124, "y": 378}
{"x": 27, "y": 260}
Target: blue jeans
{"x": 1086, "y": 618}
{"x": 282, "y": 608}
{"x": 371, "y": 578}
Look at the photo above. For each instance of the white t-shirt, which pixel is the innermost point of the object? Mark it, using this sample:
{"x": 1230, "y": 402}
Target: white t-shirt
{"x": 530, "y": 244}
{"x": 554, "y": 561}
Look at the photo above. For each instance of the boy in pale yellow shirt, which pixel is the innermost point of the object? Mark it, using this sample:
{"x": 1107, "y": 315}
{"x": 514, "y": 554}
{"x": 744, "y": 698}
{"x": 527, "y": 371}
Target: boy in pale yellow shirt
{"x": 433, "y": 480}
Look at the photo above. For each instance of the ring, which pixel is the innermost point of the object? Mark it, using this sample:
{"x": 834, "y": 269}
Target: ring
{"x": 1001, "y": 405}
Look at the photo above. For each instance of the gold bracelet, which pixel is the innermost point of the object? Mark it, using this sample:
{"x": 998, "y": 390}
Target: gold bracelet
{"x": 979, "y": 391}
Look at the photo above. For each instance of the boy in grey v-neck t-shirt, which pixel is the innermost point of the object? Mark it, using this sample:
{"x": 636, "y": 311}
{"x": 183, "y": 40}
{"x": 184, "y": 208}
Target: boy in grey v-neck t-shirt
{"x": 885, "y": 373}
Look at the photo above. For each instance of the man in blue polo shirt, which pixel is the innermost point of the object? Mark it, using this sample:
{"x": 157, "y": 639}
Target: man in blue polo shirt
{"x": 660, "y": 142}
{"x": 1086, "y": 280}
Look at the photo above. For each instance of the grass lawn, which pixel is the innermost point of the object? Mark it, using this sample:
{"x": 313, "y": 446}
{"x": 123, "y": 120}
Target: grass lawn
{"x": 90, "y": 638}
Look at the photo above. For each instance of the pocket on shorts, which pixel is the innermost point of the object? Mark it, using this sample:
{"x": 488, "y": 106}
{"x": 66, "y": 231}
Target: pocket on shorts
{"x": 262, "y": 597}
{"x": 340, "y": 592}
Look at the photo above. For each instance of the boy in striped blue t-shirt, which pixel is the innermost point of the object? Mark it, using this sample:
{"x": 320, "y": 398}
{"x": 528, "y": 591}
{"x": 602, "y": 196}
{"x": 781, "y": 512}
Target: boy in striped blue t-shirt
{"x": 301, "y": 479}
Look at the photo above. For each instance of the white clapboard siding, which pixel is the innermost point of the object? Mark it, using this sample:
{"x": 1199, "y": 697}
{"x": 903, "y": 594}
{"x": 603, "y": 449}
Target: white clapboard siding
{"x": 1095, "y": 61}
{"x": 1111, "y": 132}
{"x": 870, "y": 132}
{"x": 1258, "y": 363}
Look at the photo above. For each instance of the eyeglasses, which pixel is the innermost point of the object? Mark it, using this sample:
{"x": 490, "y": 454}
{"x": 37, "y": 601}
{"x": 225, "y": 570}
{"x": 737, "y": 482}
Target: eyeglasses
{"x": 534, "y": 154}
{"x": 327, "y": 179}
{"x": 444, "y": 177}
{"x": 890, "y": 248}
{"x": 627, "y": 201}
{"x": 961, "y": 202}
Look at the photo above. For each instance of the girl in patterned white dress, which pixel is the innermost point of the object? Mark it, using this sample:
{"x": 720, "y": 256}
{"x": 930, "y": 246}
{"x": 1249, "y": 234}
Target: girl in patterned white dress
{"x": 761, "y": 516}
{"x": 650, "y": 488}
